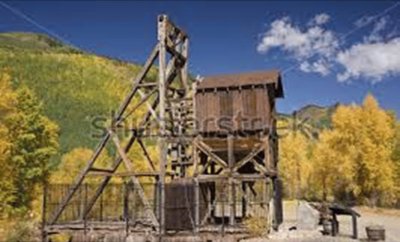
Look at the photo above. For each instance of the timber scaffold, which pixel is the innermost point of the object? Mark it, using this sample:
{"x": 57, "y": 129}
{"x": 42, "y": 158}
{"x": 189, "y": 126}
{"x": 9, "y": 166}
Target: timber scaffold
{"x": 206, "y": 180}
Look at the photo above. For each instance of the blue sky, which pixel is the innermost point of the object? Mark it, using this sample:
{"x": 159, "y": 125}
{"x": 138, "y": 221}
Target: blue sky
{"x": 328, "y": 51}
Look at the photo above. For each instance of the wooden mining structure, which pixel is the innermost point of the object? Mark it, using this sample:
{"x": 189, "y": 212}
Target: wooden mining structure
{"x": 217, "y": 158}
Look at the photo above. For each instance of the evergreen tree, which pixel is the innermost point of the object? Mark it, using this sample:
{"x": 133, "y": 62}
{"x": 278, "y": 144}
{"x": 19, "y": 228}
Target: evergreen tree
{"x": 7, "y": 102}
{"x": 34, "y": 142}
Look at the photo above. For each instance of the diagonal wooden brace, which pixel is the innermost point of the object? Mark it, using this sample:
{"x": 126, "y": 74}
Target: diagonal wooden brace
{"x": 249, "y": 157}
{"x": 134, "y": 179}
{"x": 208, "y": 151}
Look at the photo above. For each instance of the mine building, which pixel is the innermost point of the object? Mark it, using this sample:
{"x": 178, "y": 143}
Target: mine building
{"x": 216, "y": 164}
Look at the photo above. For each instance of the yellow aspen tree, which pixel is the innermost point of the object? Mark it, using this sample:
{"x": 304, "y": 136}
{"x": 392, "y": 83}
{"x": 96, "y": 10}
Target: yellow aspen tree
{"x": 73, "y": 163}
{"x": 330, "y": 168}
{"x": 362, "y": 143}
{"x": 7, "y": 107}
{"x": 376, "y": 145}
{"x": 294, "y": 165}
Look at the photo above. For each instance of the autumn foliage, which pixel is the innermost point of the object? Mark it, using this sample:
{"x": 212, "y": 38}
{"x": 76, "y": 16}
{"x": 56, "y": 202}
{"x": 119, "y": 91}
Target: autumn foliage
{"x": 353, "y": 161}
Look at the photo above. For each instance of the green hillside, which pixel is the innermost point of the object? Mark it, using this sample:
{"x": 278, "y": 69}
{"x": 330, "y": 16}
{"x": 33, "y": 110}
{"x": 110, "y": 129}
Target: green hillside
{"x": 75, "y": 87}
{"x": 33, "y": 42}
{"x": 318, "y": 116}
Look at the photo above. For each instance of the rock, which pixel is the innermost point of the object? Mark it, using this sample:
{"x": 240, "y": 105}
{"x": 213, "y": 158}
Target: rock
{"x": 307, "y": 217}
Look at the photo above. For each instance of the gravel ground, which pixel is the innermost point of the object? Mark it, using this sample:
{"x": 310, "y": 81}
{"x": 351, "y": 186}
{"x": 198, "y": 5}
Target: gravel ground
{"x": 391, "y": 223}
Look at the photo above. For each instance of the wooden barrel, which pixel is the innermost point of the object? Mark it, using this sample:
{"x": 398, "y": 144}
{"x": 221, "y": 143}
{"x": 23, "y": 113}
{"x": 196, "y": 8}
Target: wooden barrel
{"x": 375, "y": 233}
{"x": 327, "y": 227}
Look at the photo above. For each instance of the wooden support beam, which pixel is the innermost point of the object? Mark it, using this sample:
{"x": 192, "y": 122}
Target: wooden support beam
{"x": 208, "y": 213}
{"x": 148, "y": 84}
{"x": 140, "y": 103}
{"x": 197, "y": 205}
{"x": 195, "y": 156}
{"x": 184, "y": 69}
{"x": 167, "y": 74}
{"x": 126, "y": 174}
{"x": 259, "y": 167}
{"x": 208, "y": 151}
{"x": 95, "y": 169}
{"x": 79, "y": 180}
{"x": 138, "y": 80}
{"x": 105, "y": 139}
{"x": 205, "y": 167}
{"x": 135, "y": 181}
{"x": 147, "y": 155}
{"x": 117, "y": 162}
{"x": 176, "y": 53}
{"x": 162, "y": 83}
{"x": 149, "y": 107}
{"x": 204, "y": 178}
{"x": 248, "y": 157}
{"x": 231, "y": 189}
{"x": 105, "y": 181}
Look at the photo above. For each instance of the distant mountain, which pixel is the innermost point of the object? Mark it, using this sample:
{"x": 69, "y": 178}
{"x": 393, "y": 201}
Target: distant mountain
{"x": 318, "y": 116}
{"x": 310, "y": 119}
{"x": 76, "y": 87}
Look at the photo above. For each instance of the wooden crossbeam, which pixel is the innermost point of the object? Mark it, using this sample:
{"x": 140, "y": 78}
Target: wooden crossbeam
{"x": 208, "y": 151}
{"x": 152, "y": 111}
{"x": 147, "y": 155}
{"x": 148, "y": 84}
{"x": 116, "y": 163}
{"x": 140, "y": 103}
{"x": 126, "y": 174}
{"x": 171, "y": 40}
{"x": 249, "y": 157}
{"x": 139, "y": 78}
{"x": 135, "y": 181}
{"x": 95, "y": 169}
{"x": 259, "y": 167}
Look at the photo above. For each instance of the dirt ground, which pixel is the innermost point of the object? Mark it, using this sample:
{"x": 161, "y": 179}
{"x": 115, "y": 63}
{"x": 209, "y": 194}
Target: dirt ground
{"x": 390, "y": 219}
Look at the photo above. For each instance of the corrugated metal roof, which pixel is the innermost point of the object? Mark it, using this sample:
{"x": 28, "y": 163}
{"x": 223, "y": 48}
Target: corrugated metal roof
{"x": 243, "y": 79}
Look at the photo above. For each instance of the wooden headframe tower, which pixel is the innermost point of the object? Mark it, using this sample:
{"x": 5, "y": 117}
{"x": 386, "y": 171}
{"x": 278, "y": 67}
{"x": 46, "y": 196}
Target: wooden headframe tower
{"x": 162, "y": 99}
{"x": 210, "y": 159}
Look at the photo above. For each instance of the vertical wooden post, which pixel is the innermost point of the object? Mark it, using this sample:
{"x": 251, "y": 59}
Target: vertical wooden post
{"x": 162, "y": 20}
{"x": 244, "y": 199}
{"x": 334, "y": 225}
{"x": 355, "y": 229}
{"x": 156, "y": 199}
{"x": 184, "y": 69}
{"x": 44, "y": 210}
{"x": 231, "y": 199}
{"x": 126, "y": 208}
{"x": 197, "y": 205}
{"x": 101, "y": 207}
{"x": 84, "y": 208}
{"x": 223, "y": 213}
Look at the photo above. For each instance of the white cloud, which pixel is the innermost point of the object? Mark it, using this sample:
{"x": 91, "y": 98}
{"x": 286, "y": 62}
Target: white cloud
{"x": 376, "y": 33}
{"x": 299, "y": 43}
{"x": 320, "y": 19}
{"x": 313, "y": 42}
{"x": 363, "y": 21}
{"x": 370, "y": 60}
{"x": 317, "y": 49}
{"x": 320, "y": 66}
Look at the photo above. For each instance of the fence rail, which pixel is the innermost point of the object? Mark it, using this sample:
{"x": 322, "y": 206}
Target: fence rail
{"x": 121, "y": 203}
